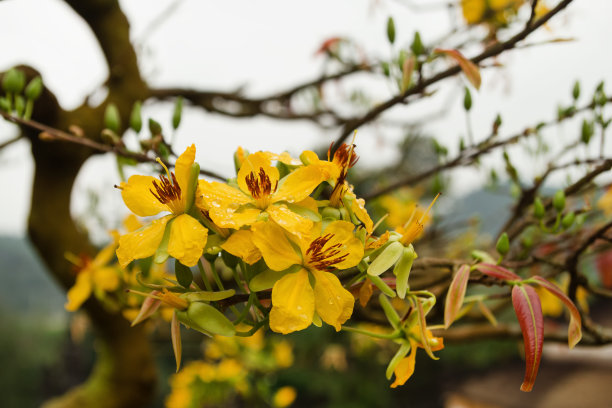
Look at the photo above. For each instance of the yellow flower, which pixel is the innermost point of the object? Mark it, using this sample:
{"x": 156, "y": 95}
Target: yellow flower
{"x": 284, "y": 397}
{"x": 405, "y": 368}
{"x": 294, "y": 299}
{"x": 93, "y": 275}
{"x": 146, "y": 196}
{"x": 495, "y": 12}
{"x": 605, "y": 202}
{"x": 414, "y": 227}
{"x": 260, "y": 191}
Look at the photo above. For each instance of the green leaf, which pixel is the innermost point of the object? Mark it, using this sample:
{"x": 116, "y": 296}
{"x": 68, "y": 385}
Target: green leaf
{"x": 183, "y": 273}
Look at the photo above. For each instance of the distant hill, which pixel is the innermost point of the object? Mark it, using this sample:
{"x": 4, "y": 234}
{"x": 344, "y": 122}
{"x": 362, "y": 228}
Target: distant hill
{"x": 27, "y": 289}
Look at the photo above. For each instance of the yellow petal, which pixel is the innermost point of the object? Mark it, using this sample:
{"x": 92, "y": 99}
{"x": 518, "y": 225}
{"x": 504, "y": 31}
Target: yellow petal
{"x": 299, "y": 184}
{"x": 342, "y": 235}
{"x": 405, "y": 368}
{"x": 358, "y": 208}
{"x": 253, "y": 164}
{"x": 240, "y": 244}
{"x": 137, "y": 196}
{"x": 106, "y": 278}
{"x": 274, "y": 246}
{"x": 105, "y": 255}
{"x": 221, "y": 201}
{"x": 473, "y": 10}
{"x": 79, "y": 292}
{"x": 332, "y": 170}
{"x": 333, "y": 303}
{"x": 141, "y": 243}
{"x": 293, "y": 303}
{"x": 182, "y": 169}
{"x": 289, "y": 220}
{"x": 187, "y": 240}
{"x": 309, "y": 203}
{"x": 132, "y": 223}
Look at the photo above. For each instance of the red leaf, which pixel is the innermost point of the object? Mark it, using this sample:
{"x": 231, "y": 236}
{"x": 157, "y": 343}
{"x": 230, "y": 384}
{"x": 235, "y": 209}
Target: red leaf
{"x": 574, "y": 331}
{"x": 497, "y": 271}
{"x": 470, "y": 69}
{"x": 529, "y": 313}
{"x": 455, "y": 295}
{"x": 149, "y": 306}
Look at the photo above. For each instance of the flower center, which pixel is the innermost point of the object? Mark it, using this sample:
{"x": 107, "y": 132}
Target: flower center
{"x": 321, "y": 258}
{"x": 168, "y": 192}
{"x": 260, "y": 188}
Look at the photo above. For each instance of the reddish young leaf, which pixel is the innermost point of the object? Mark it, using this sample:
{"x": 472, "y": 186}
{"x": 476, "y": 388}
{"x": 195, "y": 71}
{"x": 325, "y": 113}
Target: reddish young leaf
{"x": 177, "y": 346}
{"x": 455, "y": 295}
{"x": 496, "y": 271}
{"x": 529, "y": 313}
{"x": 470, "y": 69}
{"x": 574, "y": 331}
{"x": 149, "y": 306}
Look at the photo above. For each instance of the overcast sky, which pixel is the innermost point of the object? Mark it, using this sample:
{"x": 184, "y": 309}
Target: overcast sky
{"x": 266, "y": 46}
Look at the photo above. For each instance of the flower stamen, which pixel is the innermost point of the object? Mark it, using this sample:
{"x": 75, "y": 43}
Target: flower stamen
{"x": 323, "y": 259}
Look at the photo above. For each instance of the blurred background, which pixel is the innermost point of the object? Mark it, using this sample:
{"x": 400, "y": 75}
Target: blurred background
{"x": 259, "y": 48}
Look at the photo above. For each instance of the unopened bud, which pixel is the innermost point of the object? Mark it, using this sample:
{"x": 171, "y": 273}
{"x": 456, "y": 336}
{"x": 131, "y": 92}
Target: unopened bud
{"x": 112, "y": 120}
{"x": 467, "y": 99}
{"x": 503, "y": 244}
{"x": 391, "y": 30}
{"x": 178, "y": 110}
{"x": 136, "y": 117}
{"x": 568, "y": 220}
{"x": 559, "y": 200}
{"x": 34, "y": 89}
{"x": 417, "y": 45}
{"x": 154, "y": 127}
{"x": 13, "y": 81}
{"x": 538, "y": 208}
{"x": 576, "y": 90}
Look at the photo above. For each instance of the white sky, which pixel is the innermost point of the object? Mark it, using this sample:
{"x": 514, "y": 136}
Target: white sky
{"x": 266, "y": 46}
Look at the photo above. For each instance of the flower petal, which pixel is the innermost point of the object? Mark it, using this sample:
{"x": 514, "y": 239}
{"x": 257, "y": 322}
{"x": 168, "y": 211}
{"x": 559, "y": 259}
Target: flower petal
{"x": 358, "y": 208}
{"x": 105, "y": 255}
{"x": 299, "y": 184}
{"x": 79, "y": 292}
{"x": 333, "y": 303}
{"x": 240, "y": 244}
{"x": 141, "y": 243}
{"x": 342, "y": 234}
{"x": 293, "y": 303}
{"x": 253, "y": 164}
{"x": 182, "y": 169}
{"x": 137, "y": 196}
{"x": 187, "y": 240}
{"x": 274, "y": 245}
{"x": 405, "y": 368}
{"x": 289, "y": 220}
{"x": 221, "y": 201}
{"x": 106, "y": 279}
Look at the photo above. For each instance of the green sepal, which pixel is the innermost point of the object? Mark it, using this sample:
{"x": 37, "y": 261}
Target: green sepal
{"x": 207, "y": 319}
{"x": 205, "y": 296}
{"x": 401, "y": 353}
{"x": 402, "y": 271}
{"x": 390, "y": 312}
{"x": 161, "y": 254}
{"x": 386, "y": 259}
{"x": 183, "y": 274}
{"x": 265, "y": 280}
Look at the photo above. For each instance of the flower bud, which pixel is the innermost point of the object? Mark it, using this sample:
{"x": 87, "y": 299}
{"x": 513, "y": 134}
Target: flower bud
{"x": 34, "y": 89}
{"x": 206, "y": 319}
{"x": 154, "y": 127}
{"x": 538, "y": 208}
{"x": 19, "y": 105}
{"x": 13, "y": 81}
{"x": 178, "y": 110}
{"x": 576, "y": 90}
{"x": 568, "y": 220}
{"x": 136, "y": 117}
{"x": 391, "y": 30}
{"x": 467, "y": 99}
{"x": 559, "y": 200}
{"x": 417, "y": 45}
{"x": 330, "y": 213}
{"x": 503, "y": 244}
{"x": 112, "y": 120}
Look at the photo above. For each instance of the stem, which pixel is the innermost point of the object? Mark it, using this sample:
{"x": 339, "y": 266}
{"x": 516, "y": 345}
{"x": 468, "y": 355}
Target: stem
{"x": 204, "y": 277}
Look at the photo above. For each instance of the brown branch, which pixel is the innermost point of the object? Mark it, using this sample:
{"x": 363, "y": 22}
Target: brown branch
{"x": 491, "y": 51}
{"x": 10, "y": 141}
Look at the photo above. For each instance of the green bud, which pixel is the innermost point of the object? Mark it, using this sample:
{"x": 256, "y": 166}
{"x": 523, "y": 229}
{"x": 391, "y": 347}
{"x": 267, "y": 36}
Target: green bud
{"x": 330, "y": 213}
{"x": 34, "y": 89}
{"x": 576, "y": 90}
{"x": 538, "y": 208}
{"x": 183, "y": 274}
{"x": 13, "y": 81}
{"x": 208, "y": 296}
{"x": 5, "y": 104}
{"x": 417, "y": 45}
{"x": 559, "y": 200}
{"x": 136, "y": 117}
{"x": 385, "y": 68}
{"x": 403, "y": 55}
{"x": 467, "y": 99}
{"x": 154, "y": 127}
{"x": 391, "y": 30}
{"x": 112, "y": 120}
{"x": 503, "y": 244}
{"x": 386, "y": 259}
{"x": 587, "y": 131}
{"x": 461, "y": 144}
{"x": 568, "y": 220}
{"x": 178, "y": 110}
{"x": 206, "y": 319}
